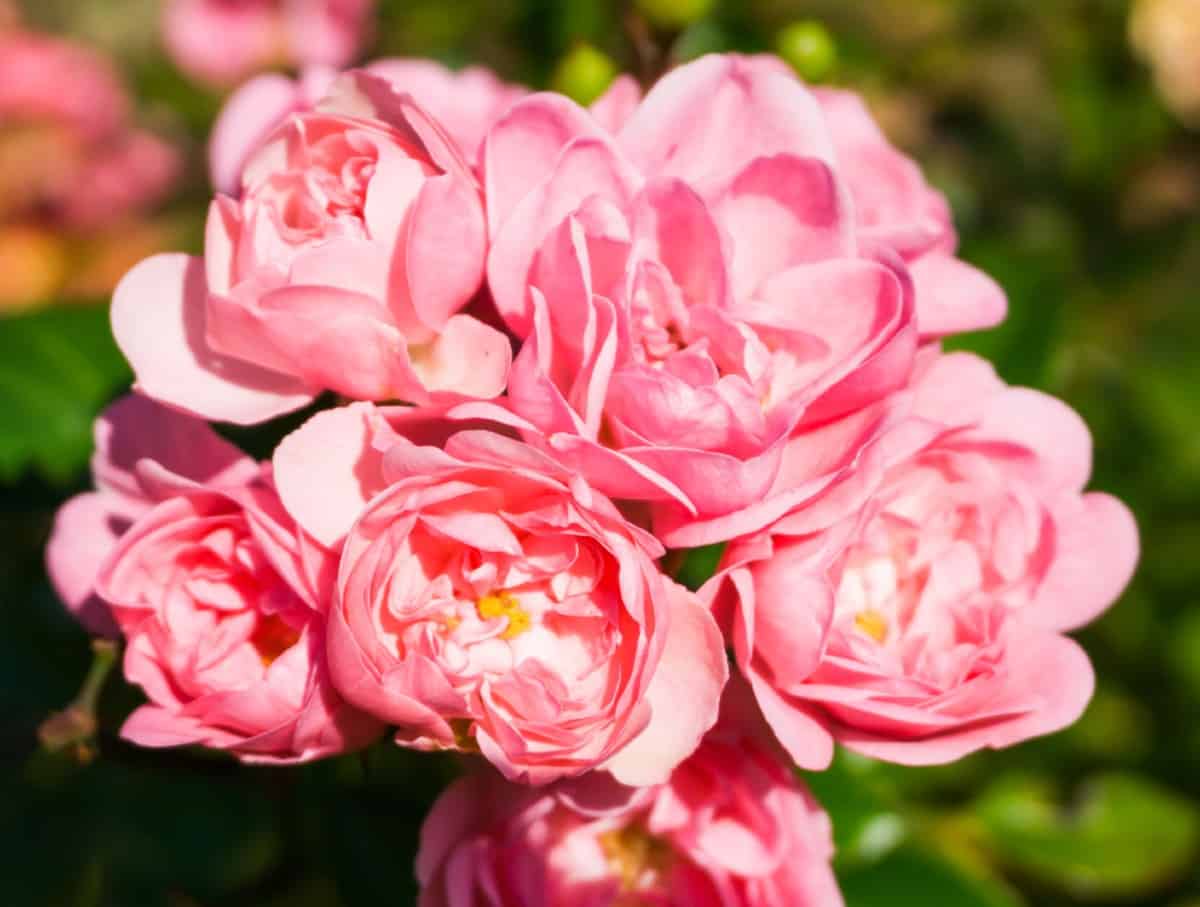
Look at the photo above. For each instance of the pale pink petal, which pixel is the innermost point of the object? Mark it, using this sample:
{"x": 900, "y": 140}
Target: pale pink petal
{"x": 158, "y": 314}
{"x": 784, "y": 211}
{"x": 953, "y": 297}
{"x": 684, "y": 695}
{"x": 85, "y": 532}
{"x": 589, "y": 168}
{"x": 443, "y": 251}
{"x": 1048, "y": 427}
{"x": 522, "y": 147}
{"x": 614, "y": 108}
{"x": 327, "y": 470}
{"x": 247, "y": 118}
{"x": 704, "y": 120}
{"x": 1096, "y": 550}
{"x": 467, "y": 359}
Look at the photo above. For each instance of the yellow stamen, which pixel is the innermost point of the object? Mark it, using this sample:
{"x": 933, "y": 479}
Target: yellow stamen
{"x": 632, "y": 852}
{"x": 872, "y": 623}
{"x": 502, "y": 604}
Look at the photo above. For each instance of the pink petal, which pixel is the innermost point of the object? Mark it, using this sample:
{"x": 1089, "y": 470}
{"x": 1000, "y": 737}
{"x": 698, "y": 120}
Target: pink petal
{"x": 327, "y": 470}
{"x": 704, "y": 121}
{"x": 953, "y": 297}
{"x": 247, "y": 118}
{"x": 340, "y": 340}
{"x": 522, "y": 147}
{"x": 443, "y": 251}
{"x": 784, "y": 211}
{"x": 587, "y": 169}
{"x": 467, "y": 359}
{"x": 614, "y": 108}
{"x": 86, "y": 529}
{"x": 1051, "y": 670}
{"x": 135, "y": 429}
{"x": 1048, "y": 427}
{"x": 158, "y": 314}
{"x": 684, "y": 695}
{"x": 153, "y": 726}
{"x": 1096, "y": 551}
{"x": 674, "y": 226}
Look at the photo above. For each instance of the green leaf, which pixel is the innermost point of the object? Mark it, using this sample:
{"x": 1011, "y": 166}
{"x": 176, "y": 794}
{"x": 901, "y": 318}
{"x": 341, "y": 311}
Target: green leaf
{"x": 58, "y": 367}
{"x": 914, "y": 877}
{"x": 699, "y": 564}
{"x": 1124, "y": 836}
{"x": 867, "y": 824}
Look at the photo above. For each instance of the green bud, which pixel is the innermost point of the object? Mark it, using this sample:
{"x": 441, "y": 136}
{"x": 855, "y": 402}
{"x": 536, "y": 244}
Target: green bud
{"x": 808, "y": 48}
{"x": 584, "y": 74}
{"x": 673, "y": 15}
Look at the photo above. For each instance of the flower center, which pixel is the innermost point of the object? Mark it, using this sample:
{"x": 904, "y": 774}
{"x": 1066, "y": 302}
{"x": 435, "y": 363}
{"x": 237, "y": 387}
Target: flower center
{"x": 633, "y": 852}
{"x": 873, "y": 623}
{"x": 504, "y": 604}
{"x": 272, "y": 637}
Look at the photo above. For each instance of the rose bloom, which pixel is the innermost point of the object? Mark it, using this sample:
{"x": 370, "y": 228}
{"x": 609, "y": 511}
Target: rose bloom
{"x": 893, "y": 206}
{"x": 692, "y": 289}
{"x": 733, "y": 827}
{"x": 219, "y": 597}
{"x": 465, "y": 103}
{"x": 223, "y": 41}
{"x": 488, "y": 600}
{"x": 929, "y": 623}
{"x": 357, "y": 239}
{"x": 69, "y": 155}
{"x": 87, "y": 527}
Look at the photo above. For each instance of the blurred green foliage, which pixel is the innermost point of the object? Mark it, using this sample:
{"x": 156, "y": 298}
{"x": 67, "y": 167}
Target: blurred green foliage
{"x": 1072, "y": 186}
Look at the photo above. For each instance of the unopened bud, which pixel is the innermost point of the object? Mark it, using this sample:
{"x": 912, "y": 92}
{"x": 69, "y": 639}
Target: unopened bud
{"x": 809, "y": 49}
{"x": 584, "y": 74}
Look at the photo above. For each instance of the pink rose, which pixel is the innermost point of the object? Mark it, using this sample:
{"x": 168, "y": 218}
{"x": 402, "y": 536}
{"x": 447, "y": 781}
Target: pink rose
{"x": 221, "y": 601}
{"x": 253, "y": 113}
{"x": 87, "y": 527}
{"x": 221, "y": 42}
{"x": 731, "y": 828}
{"x": 893, "y": 206}
{"x": 48, "y": 79}
{"x": 465, "y": 103}
{"x": 68, "y": 152}
{"x": 930, "y": 624}
{"x": 357, "y": 240}
{"x": 489, "y": 600}
{"x": 691, "y": 290}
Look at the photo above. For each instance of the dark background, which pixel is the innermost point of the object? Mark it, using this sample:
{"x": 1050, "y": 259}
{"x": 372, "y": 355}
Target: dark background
{"x": 1073, "y": 184}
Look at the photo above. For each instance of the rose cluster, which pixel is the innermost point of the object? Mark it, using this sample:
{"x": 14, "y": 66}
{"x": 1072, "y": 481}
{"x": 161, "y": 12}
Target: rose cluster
{"x": 544, "y": 349}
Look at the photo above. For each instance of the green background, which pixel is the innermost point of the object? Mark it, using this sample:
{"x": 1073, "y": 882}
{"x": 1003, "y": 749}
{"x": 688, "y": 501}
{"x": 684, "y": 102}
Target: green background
{"x": 1072, "y": 185}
